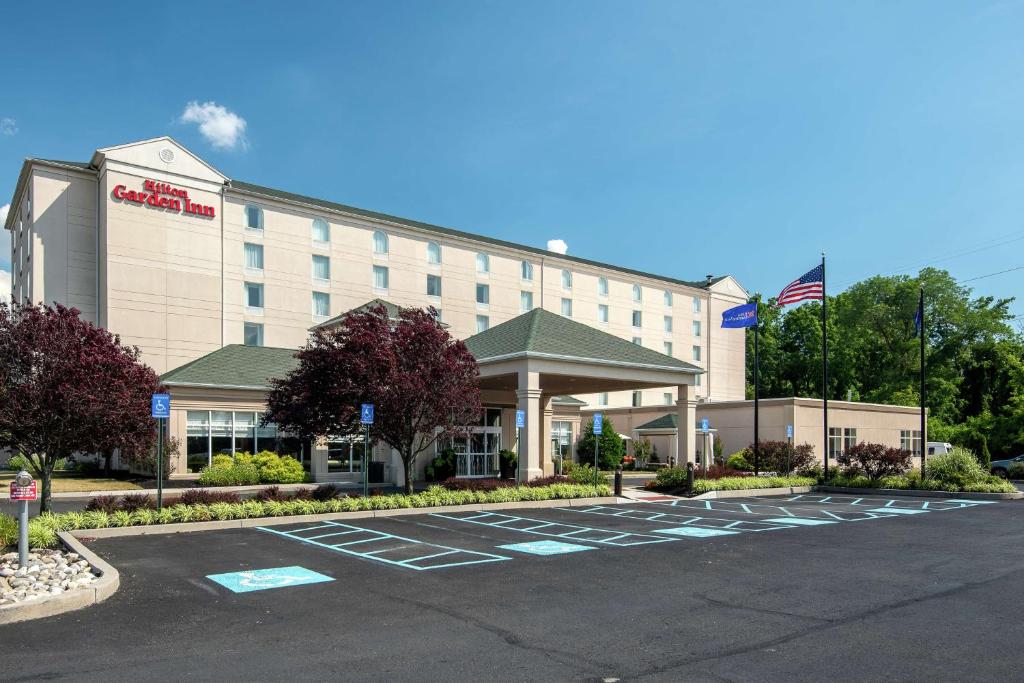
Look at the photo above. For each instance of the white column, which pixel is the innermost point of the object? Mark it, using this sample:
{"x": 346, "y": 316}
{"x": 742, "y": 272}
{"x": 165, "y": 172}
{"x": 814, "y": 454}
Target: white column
{"x": 547, "y": 454}
{"x": 318, "y": 460}
{"x": 529, "y": 397}
{"x": 686, "y": 425}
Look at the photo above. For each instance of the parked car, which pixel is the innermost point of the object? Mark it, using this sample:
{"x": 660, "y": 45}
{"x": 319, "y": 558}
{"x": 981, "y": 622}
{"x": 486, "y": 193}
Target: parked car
{"x": 1001, "y": 468}
{"x": 939, "y": 448}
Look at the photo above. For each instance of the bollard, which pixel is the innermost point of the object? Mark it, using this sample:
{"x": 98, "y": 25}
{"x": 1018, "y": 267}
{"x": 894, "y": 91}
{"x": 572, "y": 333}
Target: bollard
{"x": 618, "y": 480}
{"x": 689, "y": 476}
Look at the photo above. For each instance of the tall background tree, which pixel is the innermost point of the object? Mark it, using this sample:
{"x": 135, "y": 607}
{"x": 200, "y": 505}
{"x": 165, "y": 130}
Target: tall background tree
{"x": 422, "y": 381}
{"x": 975, "y": 357}
{"x": 67, "y": 387}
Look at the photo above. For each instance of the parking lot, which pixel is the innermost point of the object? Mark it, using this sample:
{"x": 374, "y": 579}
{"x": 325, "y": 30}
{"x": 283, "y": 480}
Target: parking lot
{"x": 800, "y": 587}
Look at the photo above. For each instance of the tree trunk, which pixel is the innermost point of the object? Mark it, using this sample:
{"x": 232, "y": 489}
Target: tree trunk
{"x": 407, "y": 466}
{"x": 45, "y": 477}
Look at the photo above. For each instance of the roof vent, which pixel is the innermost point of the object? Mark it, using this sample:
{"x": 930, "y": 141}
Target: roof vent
{"x": 167, "y": 155}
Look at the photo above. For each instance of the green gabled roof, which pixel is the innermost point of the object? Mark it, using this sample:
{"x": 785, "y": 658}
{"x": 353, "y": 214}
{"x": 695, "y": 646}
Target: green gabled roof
{"x": 249, "y": 367}
{"x": 391, "y": 309}
{"x": 568, "y": 401}
{"x": 541, "y": 333}
{"x": 670, "y": 421}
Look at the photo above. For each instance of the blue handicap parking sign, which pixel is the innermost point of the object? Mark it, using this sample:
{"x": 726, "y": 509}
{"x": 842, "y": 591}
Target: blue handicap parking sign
{"x": 161, "y": 405}
{"x": 366, "y": 414}
{"x": 520, "y": 419}
{"x": 704, "y": 425}
{"x": 789, "y": 431}
{"x": 598, "y": 423}
{"x": 262, "y": 579}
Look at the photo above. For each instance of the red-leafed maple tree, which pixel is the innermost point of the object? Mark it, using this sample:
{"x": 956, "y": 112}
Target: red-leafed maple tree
{"x": 421, "y": 380}
{"x": 68, "y": 386}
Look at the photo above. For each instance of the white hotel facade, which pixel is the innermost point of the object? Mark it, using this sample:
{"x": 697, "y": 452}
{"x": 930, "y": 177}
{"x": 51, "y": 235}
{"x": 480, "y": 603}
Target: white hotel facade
{"x": 151, "y": 242}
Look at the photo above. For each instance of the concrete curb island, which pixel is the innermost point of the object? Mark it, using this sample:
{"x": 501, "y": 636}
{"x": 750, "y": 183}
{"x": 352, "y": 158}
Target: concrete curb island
{"x": 920, "y": 493}
{"x": 746, "y": 493}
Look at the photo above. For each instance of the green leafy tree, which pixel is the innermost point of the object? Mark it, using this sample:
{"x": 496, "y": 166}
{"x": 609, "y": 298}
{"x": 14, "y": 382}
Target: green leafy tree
{"x": 611, "y": 450}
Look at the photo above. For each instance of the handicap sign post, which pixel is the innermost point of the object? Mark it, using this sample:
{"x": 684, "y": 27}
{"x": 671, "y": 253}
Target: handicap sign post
{"x": 705, "y": 460}
{"x": 598, "y": 427}
{"x": 366, "y": 418}
{"x": 520, "y": 424}
{"x": 160, "y": 409}
{"x": 789, "y": 451}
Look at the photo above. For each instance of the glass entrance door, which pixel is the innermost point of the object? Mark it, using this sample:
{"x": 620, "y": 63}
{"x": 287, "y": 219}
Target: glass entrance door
{"x": 476, "y": 455}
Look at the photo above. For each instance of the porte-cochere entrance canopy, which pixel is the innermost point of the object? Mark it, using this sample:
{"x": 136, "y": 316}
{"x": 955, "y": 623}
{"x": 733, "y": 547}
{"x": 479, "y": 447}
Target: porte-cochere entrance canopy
{"x": 525, "y": 363}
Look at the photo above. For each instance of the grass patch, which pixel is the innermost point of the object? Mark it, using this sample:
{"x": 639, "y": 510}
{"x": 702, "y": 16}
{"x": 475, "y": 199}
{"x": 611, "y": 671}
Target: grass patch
{"x": 70, "y": 482}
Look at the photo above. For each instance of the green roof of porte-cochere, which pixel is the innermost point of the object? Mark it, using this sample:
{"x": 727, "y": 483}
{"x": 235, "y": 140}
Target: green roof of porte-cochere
{"x": 234, "y": 366}
{"x": 541, "y": 333}
{"x": 670, "y": 421}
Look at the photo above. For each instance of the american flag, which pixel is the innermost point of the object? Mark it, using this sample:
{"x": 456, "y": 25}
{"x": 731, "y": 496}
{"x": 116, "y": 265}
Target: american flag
{"x": 808, "y": 286}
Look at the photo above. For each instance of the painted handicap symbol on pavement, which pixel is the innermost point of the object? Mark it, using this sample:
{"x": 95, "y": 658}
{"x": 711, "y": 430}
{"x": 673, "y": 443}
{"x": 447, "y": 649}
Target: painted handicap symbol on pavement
{"x": 262, "y": 579}
{"x": 546, "y": 547}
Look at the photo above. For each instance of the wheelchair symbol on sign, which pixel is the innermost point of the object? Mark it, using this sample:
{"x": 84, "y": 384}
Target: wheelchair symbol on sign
{"x": 254, "y": 580}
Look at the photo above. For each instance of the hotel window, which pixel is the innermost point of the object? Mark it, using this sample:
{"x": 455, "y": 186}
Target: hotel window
{"x": 835, "y": 441}
{"x": 433, "y": 285}
{"x": 483, "y": 294}
{"x": 910, "y": 441}
{"x": 696, "y": 353}
{"x": 526, "y": 271}
{"x": 525, "y": 301}
{"x": 638, "y": 399}
{"x": 437, "y": 314}
{"x": 321, "y": 231}
{"x": 638, "y": 293}
{"x": 602, "y": 399}
{"x": 638, "y": 341}
{"x": 253, "y": 217}
{"x": 668, "y": 298}
{"x": 433, "y": 253}
{"x": 380, "y": 243}
{"x": 483, "y": 263}
{"x": 566, "y": 279}
{"x": 561, "y": 434}
{"x": 696, "y": 305}
{"x": 321, "y": 267}
{"x": 254, "y": 257}
{"x": 222, "y": 431}
{"x": 696, "y": 382}
{"x": 667, "y": 398}
{"x": 380, "y": 277}
{"x": 254, "y": 297}
{"x": 482, "y": 323}
{"x": 602, "y": 286}
{"x": 602, "y": 313}
{"x": 345, "y": 454}
{"x": 696, "y": 328}
{"x": 321, "y": 304}
{"x": 849, "y": 438}
{"x": 638, "y": 319}
{"x": 567, "y": 308}
{"x": 668, "y": 348}
{"x": 252, "y": 334}
{"x": 668, "y": 323}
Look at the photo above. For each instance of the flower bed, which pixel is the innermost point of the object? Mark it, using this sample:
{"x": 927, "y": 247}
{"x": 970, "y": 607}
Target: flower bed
{"x": 673, "y": 480}
{"x": 992, "y": 484}
{"x": 43, "y": 529}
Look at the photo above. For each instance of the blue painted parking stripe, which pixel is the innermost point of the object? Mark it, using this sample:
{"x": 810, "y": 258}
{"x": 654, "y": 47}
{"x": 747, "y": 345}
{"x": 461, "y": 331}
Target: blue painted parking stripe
{"x": 802, "y": 521}
{"x": 696, "y": 532}
{"x": 610, "y": 538}
{"x": 673, "y": 518}
{"x": 765, "y": 509}
{"x": 382, "y": 537}
{"x": 899, "y": 511}
{"x": 546, "y": 547}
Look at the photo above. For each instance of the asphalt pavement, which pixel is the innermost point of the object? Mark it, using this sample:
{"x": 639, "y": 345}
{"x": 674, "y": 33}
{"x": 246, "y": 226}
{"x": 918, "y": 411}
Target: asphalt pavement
{"x": 802, "y": 588}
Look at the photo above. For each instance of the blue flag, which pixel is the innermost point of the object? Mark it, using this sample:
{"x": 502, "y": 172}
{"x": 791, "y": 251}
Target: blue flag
{"x": 917, "y": 322}
{"x": 740, "y": 316}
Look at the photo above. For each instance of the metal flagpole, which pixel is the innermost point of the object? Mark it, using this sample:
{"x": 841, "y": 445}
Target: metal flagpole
{"x": 757, "y": 393}
{"x": 824, "y": 359}
{"x": 924, "y": 421}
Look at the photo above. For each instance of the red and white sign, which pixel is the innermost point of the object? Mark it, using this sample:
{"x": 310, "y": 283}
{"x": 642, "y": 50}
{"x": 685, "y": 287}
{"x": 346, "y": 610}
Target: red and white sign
{"x": 23, "y": 492}
{"x": 163, "y": 196}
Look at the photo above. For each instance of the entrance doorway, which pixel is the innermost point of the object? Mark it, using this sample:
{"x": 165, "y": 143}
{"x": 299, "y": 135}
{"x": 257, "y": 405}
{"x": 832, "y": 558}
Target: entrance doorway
{"x": 476, "y": 455}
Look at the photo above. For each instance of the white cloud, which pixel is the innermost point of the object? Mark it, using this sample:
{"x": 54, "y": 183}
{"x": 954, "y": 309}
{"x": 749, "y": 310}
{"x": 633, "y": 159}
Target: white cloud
{"x": 5, "y": 286}
{"x": 558, "y": 246}
{"x": 222, "y": 128}
{"x": 8, "y": 126}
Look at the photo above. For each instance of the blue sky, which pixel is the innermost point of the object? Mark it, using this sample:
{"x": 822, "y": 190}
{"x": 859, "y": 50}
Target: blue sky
{"x": 680, "y": 138}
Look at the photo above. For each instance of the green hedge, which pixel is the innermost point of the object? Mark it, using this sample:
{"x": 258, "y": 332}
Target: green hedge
{"x": 247, "y": 469}
{"x": 955, "y": 472}
{"x": 744, "y": 483}
{"x": 43, "y": 529}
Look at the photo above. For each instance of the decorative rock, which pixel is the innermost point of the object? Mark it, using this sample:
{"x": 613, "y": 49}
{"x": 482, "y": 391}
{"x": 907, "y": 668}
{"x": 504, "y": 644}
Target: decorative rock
{"x": 49, "y": 573}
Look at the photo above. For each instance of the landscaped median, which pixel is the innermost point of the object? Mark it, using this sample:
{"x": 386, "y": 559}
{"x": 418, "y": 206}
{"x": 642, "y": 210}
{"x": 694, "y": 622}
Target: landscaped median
{"x": 673, "y": 480}
{"x": 43, "y": 529}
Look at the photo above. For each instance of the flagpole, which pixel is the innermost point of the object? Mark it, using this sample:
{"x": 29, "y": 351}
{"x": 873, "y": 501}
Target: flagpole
{"x": 757, "y": 388}
{"x": 824, "y": 359}
{"x": 924, "y": 420}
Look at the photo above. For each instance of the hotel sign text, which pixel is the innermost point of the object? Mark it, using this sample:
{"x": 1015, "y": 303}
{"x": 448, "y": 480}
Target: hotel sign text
{"x": 163, "y": 196}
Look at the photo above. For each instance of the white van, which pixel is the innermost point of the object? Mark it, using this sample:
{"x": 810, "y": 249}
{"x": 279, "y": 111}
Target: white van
{"x": 939, "y": 447}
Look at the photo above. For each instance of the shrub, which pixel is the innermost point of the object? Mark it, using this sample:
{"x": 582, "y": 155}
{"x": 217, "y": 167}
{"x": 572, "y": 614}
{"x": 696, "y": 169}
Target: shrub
{"x": 236, "y": 474}
{"x": 585, "y": 474}
{"x": 957, "y": 468}
{"x": 456, "y": 484}
{"x": 278, "y": 469}
{"x": 671, "y": 478}
{"x": 270, "y": 493}
{"x": 136, "y": 501}
{"x": 17, "y": 463}
{"x": 611, "y": 450}
{"x": 8, "y": 530}
{"x": 200, "y": 497}
{"x": 548, "y": 481}
{"x": 875, "y": 460}
{"x": 326, "y": 492}
{"x": 104, "y": 503}
{"x": 774, "y": 456}
{"x": 739, "y": 461}
{"x": 741, "y": 483}
{"x": 442, "y": 467}
{"x": 1016, "y": 470}
{"x": 508, "y": 462}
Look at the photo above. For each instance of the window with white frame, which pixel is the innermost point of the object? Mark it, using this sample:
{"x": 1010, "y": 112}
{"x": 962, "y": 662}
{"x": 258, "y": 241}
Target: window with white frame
{"x": 483, "y": 294}
{"x": 638, "y": 399}
{"x": 602, "y": 399}
{"x": 566, "y": 279}
{"x": 214, "y": 432}
{"x": 667, "y": 348}
{"x": 483, "y": 263}
{"x": 638, "y": 293}
{"x": 567, "y": 308}
{"x": 380, "y": 242}
{"x": 638, "y": 341}
{"x": 253, "y": 297}
{"x": 697, "y": 380}
{"x": 696, "y": 328}
{"x": 602, "y": 313}
{"x": 252, "y": 334}
{"x": 602, "y": 286}
{"x": 321, "y": 267}
{"x": 253, "y": 217}
{"x": 433, "y": 253}
{"x": 910, "y": 441}
{"x": 380, "y": 277}
{"x": 525, "y": 301}
{"x": 638, "y": 319}
{"x": 835, "y": 441}
{"x": 668, "y": 323}
{"x": 482, "y": 323}
{"x": 668, "y": 298}
{"x": 849, "y": 438}
{"x": 667, "y": 398}
{"x": 696, "y": 353}
{"x": 321, "y": 231}
{"x": 434, "y": 285}
{"x": 253, "y": 257}
{"x": 321, "y": 305}
{"x": 526, "y": 271}
{"x": 696, "y": 304}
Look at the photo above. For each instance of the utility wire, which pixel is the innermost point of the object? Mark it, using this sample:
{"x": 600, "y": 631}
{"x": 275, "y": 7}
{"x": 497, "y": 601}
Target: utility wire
{"x": 982, "y": 277}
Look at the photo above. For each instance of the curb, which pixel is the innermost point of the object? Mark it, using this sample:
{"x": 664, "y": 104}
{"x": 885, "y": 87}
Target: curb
{"x": 748, "y": 493}
{"x": 963, "y": 495}
{"x": 190, "y": 527}
{"x": 171, "y": 493}
{"x": 101, "y": 589}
